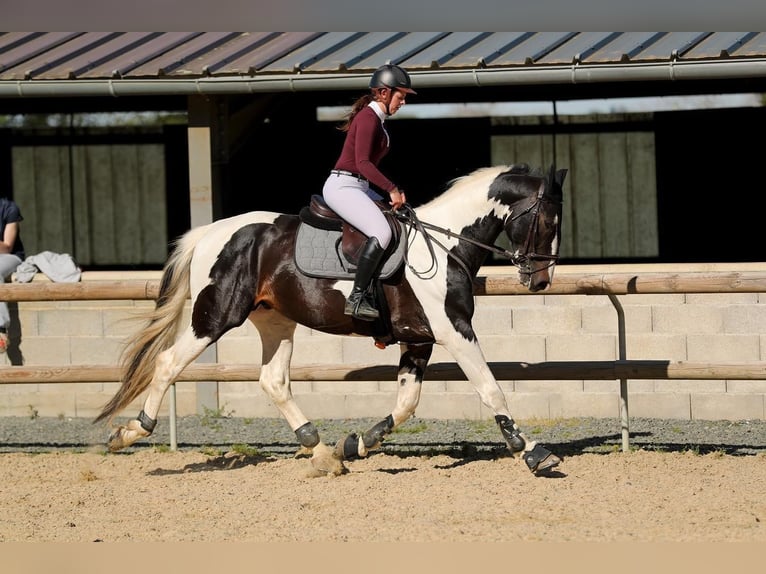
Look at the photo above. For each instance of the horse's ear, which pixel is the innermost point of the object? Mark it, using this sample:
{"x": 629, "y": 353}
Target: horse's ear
{"x": 551, "y": 179}
{"x": 560, "y": 175}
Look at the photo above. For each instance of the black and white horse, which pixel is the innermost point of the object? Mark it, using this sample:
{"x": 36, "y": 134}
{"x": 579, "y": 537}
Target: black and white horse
{"x": 250, "y": 267}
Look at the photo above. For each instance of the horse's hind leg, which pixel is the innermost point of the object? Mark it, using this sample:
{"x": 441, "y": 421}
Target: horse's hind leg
{"x": 412, "y": 367}
{"x": 170, "y": 363}
{"x": 277, "y": 333}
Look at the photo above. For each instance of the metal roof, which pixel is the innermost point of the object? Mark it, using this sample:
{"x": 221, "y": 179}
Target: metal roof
{"x": 55, "y": 64}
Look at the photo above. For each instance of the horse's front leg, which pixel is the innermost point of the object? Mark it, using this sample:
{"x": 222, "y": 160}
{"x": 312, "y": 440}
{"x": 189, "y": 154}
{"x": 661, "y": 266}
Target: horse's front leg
{"x": 412, "y": 367}
{"x": 170, "y": 364}
{"x": 471, "y": 359}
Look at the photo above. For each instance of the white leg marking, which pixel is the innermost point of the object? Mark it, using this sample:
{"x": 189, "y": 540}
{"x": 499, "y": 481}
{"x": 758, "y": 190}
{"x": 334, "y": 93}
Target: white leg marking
{"x": 170, "y": 364}
{"x": 277, "y": 341}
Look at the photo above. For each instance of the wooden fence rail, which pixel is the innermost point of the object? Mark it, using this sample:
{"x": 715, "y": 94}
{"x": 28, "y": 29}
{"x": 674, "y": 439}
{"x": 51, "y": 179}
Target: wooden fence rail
{"x": 506, "y": 371}
{"x": 564, "y": 284}
{"x": 609, "y": 284}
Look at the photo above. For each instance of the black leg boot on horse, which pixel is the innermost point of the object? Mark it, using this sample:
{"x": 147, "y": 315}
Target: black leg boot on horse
{"x": 360, "y": 303}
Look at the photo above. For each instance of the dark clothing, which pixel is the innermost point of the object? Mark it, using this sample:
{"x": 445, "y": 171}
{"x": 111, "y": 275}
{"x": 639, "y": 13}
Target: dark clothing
{"x": 10, "y": 213}
{"x": 365, "y": 145}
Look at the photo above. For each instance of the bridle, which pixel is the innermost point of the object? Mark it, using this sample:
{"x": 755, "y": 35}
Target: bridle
{"x": 523, "y": 261}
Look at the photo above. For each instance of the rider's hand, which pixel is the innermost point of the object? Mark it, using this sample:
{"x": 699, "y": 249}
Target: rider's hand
{"x": 398, "y": 198}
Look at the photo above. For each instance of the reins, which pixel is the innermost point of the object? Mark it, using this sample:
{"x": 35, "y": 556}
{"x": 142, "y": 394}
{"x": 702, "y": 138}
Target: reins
{"x": 407, "y": 215}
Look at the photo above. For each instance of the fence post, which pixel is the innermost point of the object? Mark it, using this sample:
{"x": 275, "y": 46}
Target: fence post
{"x": 622, "y": 347}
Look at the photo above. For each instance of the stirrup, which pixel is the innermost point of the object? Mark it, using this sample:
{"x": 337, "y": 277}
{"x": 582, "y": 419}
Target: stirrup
{"x": 361, "y": 308}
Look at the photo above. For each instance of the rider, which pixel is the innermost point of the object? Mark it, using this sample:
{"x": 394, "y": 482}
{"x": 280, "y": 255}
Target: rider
{"x": 348, "y": 189}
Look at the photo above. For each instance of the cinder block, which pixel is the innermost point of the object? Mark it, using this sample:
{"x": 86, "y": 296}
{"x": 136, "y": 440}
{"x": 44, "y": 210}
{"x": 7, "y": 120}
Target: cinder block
{"x": 492, "y": 319}
{"x": 687, "y": 319}
{"x": 68, "y": 322}
{"x": 319, "y": 351}
{"x": 362, "y": 351}
{"x": 28, "y": 319}
{"x": 96, "y": 350}
{"x": 239, "y": 350}
{"x": 727, "y": 407}
{"x": 655, "y": 346}
{"x": 724, "y": 348}
{"x": 122, "y": 322}
{"x": 634, "y": 386}
{"x": 46, "y": 351}
{"x": 345, "y": 387}
{"x": 744, "y": 319}
{"x": 540, "y": 386}
{"x": 746, "y": 387}
{"x": 715, "y": 299}
{"x": 451, "y": 406}
{"x": 525, "y": 406}
{"x": 691, "y": 386}
{"x": 547, "y": 320}
{"x": 581, "y": 347}
{"x": 574, "y": 300}
{"x": 510, "y": 348}
{"x": 599, "y": 405}
{"x": 603, "y": 319}
{"x": 660, "y": 405}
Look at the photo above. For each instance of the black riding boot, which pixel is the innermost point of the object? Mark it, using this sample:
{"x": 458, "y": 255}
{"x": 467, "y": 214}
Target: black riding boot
{"x": 359, "y": 303}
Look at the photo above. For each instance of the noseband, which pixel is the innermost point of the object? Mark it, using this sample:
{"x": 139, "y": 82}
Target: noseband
{"x": 523, "y": 261}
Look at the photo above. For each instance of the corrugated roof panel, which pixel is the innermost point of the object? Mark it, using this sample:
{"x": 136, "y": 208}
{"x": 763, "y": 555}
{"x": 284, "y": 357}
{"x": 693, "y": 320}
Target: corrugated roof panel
{"x": 663, "y": 48}
{"x": 531, "y": 49}
{"x": 139, "y": 53}
{"x": 347, "y": 55}
{"x": 100, "y": 62}
{"x": 173, "y": 61}
{"x": 441, "y": 52}
{"x": 106, "y": 52}
{"x": 272, "y": 50}
{"x": 627, "y": 46}
{"x": 33, "y": 56}
{"x": 718, "y": 45}
{"x": 310, "y": 52}
{"x": 17, "y": 47}
{"x": 400, "y": 49}
{"x": 755, "y": 46}
{"x": 582, "y": 45}
{"x": 221, "y": 57}
{"x": 56, "y": 62}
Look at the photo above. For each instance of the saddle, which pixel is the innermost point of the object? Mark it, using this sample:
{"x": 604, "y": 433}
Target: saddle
{"x": 328, "y": 247}
{"x": 319, "y": 214}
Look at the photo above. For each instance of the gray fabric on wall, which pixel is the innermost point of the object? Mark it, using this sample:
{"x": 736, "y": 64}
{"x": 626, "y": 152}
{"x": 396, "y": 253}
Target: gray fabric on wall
{"x": 58, "y": 267}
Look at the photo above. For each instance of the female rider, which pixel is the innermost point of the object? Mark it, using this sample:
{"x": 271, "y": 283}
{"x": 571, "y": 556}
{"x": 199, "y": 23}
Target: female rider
{"x": 347, "y": 189}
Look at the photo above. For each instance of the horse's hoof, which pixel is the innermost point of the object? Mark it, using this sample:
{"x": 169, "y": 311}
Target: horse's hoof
{"x": 116, "y": 441}
{"x": 540, "y": 460}
{"x": 325, "y": 462}
{"x": 547, "y": 464}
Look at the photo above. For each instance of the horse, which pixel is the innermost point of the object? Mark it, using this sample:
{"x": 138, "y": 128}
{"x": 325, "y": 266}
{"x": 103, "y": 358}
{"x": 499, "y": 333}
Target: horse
{"x": 246, "y": 267}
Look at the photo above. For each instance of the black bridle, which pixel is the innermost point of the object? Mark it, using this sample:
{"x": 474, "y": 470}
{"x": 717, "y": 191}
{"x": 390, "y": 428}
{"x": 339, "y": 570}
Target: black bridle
{"x": 523, "y": 261}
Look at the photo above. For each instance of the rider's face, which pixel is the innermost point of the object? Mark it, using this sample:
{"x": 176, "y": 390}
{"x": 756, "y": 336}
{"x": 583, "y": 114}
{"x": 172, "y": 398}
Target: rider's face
{"x": 398, "y": 98}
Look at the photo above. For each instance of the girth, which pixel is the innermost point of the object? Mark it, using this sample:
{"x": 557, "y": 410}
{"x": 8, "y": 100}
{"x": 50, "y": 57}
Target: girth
{"x": 319, "y": 214}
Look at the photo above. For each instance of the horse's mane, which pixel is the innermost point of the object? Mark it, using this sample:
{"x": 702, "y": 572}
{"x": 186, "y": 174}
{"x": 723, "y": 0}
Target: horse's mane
{"x": 485, "y": 175}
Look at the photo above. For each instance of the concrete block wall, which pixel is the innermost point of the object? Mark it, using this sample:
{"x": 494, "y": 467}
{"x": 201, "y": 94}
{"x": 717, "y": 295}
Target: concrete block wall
{"x": 532, "y": 328}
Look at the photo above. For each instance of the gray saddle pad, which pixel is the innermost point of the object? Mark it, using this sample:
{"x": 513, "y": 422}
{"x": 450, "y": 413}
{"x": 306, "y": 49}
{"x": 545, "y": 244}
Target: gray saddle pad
{"x": 318, "y": 253}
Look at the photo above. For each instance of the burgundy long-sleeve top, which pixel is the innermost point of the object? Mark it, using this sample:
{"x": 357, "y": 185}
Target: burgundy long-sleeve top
{"x": 365, "y": 145}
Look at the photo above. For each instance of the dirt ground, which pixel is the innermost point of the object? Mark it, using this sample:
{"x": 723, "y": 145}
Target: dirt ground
{"x": 190, "y": 496}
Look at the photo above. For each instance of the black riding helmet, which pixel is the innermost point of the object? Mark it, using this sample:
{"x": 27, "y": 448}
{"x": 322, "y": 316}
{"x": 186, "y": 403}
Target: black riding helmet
{"x": 392, "y": 76}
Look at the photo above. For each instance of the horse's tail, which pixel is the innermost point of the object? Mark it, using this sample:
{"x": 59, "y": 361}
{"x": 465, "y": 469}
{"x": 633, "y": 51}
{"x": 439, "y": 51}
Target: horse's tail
{"x": 138, "y": 358}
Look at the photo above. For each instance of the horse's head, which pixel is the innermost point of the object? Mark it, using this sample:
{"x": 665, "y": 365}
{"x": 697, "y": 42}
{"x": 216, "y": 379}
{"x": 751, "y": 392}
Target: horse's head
{"x": 533, "y": 225}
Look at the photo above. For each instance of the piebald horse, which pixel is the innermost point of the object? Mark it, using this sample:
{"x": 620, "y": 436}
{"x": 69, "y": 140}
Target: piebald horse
{"x": 247, "y": 267}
